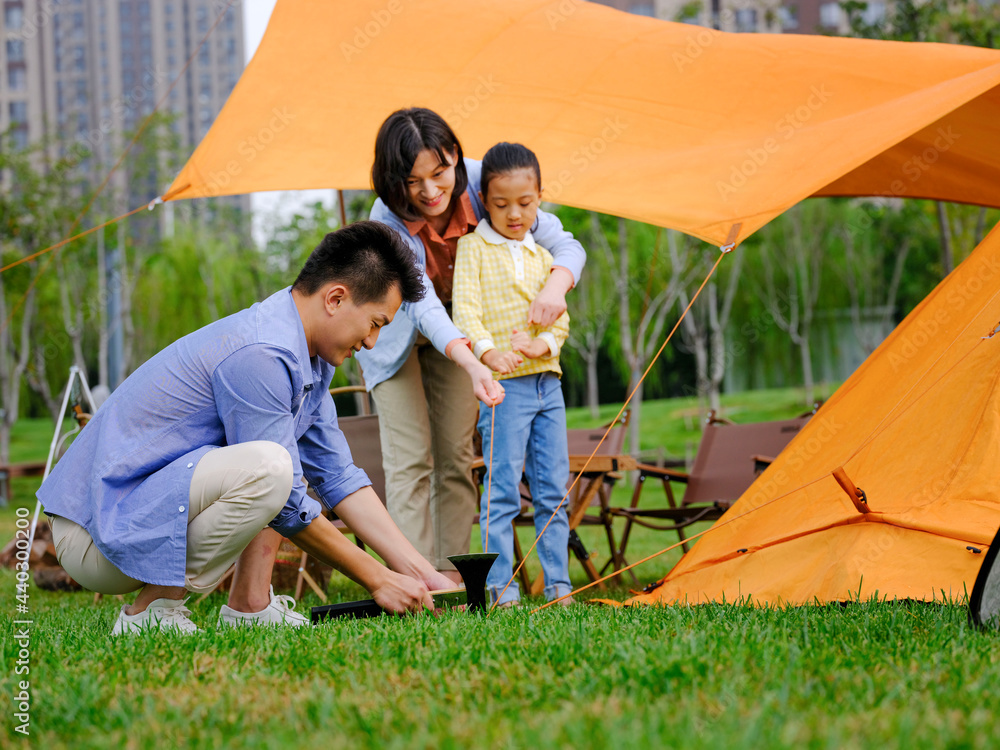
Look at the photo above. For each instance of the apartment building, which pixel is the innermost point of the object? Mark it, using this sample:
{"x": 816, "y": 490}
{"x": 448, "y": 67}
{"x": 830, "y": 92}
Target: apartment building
{"x": 90, "y": 71}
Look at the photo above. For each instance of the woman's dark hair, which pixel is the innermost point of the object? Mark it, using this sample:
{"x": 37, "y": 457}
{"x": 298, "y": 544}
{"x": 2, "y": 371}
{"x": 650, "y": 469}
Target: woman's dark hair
{"x": 504, "y": 158}
{"x": 403, "y": 135}
{"x": 367, "y": 257}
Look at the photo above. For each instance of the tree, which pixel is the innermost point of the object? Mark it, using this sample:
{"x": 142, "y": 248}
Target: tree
{"x": 868, "y": 256}
{"x": 643, "y": 310}
{"x": 592, "y": 305}
{"x": 792, "y": 261}
{"x": 952, "y": 21}
{"x": 704, "y": 328}
{"x": 34, "y": 213}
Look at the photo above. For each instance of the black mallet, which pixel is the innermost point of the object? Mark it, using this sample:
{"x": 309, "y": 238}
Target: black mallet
{"x": 473, "y": 568}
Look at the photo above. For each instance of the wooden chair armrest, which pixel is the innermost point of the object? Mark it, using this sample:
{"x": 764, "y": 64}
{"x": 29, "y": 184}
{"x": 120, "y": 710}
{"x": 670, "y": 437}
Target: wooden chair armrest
{"x": 761, "y": 462}
{"x": 714, "y": 418}
{"x": 672, "y": 475}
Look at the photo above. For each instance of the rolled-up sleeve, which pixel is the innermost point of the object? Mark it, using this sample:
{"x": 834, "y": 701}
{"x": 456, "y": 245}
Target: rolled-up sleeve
{"x": 428, "y": 314}
{"x": 565, "y": 248}
{"x": 253, "y": 394}
{"x": 431, "y": 319}
{"x": 326, "y": 457}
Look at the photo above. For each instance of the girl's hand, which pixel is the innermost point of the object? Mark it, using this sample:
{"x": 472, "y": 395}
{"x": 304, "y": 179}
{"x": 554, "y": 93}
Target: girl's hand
{"x": 502, "y": 362}
{"x": 531, "y": 348}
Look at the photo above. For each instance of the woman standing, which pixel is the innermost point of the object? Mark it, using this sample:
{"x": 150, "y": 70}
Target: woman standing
{"x": 429, "y": 193}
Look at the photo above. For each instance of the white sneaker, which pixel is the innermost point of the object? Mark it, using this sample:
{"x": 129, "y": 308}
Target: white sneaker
{"x": 278, "y": 612}
{"x": 161, "y": 614}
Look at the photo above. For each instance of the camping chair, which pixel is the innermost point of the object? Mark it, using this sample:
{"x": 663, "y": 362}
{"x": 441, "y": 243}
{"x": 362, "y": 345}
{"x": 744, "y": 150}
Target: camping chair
{"x": 728, "y": 460}
{"x": 592, "y": 490}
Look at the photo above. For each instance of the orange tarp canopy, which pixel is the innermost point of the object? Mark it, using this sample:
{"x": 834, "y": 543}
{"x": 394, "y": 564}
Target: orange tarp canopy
{"x": 667, "y": 123}
{"x": 917, "y": 428}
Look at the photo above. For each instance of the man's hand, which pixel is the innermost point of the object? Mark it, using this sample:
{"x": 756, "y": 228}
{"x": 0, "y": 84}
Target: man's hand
{"x": 550, "y": 303}
{"x": 532, "y": 348}
{"x": 502, "y": 362}
{"x": 402, "y": 594}
{"x": 438, "y": 581}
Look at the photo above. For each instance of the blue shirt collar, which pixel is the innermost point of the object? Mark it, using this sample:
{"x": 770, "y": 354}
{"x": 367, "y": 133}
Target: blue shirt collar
{"x": 289, "y": 333}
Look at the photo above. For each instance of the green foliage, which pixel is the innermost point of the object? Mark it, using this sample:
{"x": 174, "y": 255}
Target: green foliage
{"x": 953, "y": 21}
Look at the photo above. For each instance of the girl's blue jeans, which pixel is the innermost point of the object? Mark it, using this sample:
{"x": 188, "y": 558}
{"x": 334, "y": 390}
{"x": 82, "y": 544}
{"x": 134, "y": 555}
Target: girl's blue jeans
{"x": 529, "y": 433}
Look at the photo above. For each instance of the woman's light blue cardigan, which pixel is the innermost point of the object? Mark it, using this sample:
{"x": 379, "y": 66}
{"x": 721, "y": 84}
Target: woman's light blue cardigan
{"x": 429, "y": 316}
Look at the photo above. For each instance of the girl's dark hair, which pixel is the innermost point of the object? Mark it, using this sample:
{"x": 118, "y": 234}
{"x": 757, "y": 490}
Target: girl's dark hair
{"x": 506, "y": 157}
{"x": 403, "y": 135}
{"x": 367, "y": 257}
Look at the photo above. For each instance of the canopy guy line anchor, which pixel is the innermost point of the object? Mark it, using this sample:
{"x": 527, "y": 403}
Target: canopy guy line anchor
{"x": 855, "y": 493}
{"x": 718, "y": 525}
{"x": 730, "y": 244}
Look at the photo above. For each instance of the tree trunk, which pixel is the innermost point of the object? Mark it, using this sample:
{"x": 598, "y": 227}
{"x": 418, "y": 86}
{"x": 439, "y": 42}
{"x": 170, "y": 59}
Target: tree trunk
{"x": 11, "y": 375}
{"x": 635, "y": 416}
{"x": 980, "y": 227}
{"x": 593, "y": 395}
{"x": 947, "y": 259}
{"x": 5, "y": 375}
{"x": 72, "y": 310}
{"x": 696, "y": 340}
{"x": 102, "y": 311}
{"x": 807, "y": 370}
{"x": 717, "y": 345}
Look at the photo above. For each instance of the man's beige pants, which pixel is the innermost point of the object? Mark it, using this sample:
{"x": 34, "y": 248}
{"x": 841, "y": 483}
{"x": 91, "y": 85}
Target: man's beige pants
{"x": 427, "y": 414}
{"x": 235, "y": 492}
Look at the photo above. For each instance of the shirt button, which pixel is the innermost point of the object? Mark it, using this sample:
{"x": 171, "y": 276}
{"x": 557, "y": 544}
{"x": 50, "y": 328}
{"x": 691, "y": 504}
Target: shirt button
{"x": 190, "y": 465}
{"x": 450, "y": 265}
{"x": 180, "y": 509}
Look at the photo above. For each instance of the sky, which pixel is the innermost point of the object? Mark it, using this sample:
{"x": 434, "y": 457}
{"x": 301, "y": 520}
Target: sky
{"x": 272, "y": 208}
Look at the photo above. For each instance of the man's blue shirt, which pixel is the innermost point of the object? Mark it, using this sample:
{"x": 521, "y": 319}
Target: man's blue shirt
{"x": 126, "y": 478}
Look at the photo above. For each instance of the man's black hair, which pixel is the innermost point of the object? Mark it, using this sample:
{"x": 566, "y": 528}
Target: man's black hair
{"x": 368, "y": 258}
{"x": 403, "y": 135}
{"x": 504, "y": 158}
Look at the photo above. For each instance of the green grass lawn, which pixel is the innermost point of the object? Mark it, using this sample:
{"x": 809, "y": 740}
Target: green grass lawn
{"x": 719, "y": 676}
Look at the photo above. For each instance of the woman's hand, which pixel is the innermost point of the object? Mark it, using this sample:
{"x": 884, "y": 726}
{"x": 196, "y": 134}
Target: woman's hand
{"x": 487, "y": 390}
{"x": 550, "y": 303}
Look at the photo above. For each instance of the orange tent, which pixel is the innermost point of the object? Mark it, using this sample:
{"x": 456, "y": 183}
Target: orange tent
{"x": 917, "y": 428}
{"x": 710, "y": 133}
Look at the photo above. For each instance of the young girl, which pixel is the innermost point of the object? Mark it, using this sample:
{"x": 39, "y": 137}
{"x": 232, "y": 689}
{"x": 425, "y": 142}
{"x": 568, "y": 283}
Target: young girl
{"x": 419, "y": 374}
{"x": 499, "y": 270}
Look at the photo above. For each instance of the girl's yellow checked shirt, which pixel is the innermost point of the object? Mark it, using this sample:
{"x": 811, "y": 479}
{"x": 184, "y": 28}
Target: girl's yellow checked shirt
{"x": 496, "y": 279}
